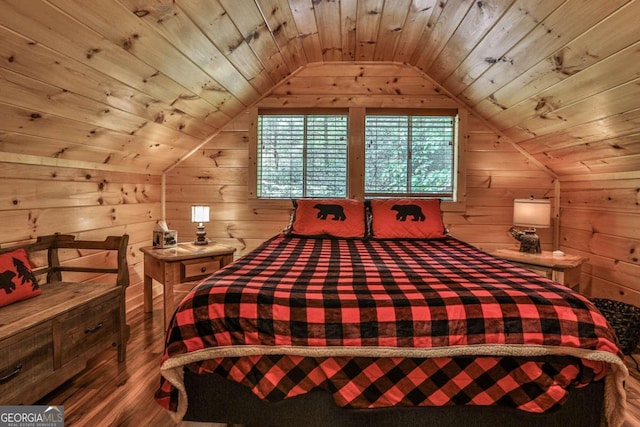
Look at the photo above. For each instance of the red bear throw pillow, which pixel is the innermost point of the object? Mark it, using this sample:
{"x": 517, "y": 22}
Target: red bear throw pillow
{"x": 17, "y": 281}
{"x": 329, "y": 217}
{"x": 406, "y": 219}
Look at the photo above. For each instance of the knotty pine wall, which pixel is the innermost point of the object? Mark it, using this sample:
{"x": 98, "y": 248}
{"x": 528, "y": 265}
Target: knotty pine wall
{"x": 217, "y": 174}
{"x": 600, "y": 219}
{"x": 91, "y": 204}
{"x": 599, "y": 214}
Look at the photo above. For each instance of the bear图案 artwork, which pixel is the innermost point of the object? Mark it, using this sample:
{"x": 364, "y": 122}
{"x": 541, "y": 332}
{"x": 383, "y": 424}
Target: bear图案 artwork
{"x": 404, "y": 211}
{"x": 324, "y": 210}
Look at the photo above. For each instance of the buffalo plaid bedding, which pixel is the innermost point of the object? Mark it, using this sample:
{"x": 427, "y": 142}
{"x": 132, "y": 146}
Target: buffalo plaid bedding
{"x": 390, "y": 323}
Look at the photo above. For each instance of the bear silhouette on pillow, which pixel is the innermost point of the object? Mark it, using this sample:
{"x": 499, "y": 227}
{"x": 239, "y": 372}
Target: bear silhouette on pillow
{"x": 324, "y": 210}
{"x": 408, "y": 210}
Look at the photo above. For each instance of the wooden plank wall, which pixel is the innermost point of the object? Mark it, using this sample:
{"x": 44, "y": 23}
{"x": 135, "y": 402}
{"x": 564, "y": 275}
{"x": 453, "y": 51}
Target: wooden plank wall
{"x": 37, "y": 200}
{"x": 497, "y": 173}
{"x": 217, "y": 174}
{"x": 600, "y": 219}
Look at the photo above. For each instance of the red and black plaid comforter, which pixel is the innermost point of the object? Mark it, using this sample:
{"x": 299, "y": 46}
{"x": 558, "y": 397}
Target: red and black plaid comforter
{"x": 385, "y": 323}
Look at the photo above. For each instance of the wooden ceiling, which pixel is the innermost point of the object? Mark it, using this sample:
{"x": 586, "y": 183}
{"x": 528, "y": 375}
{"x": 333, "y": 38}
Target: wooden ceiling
{"x": 138, "y": 84}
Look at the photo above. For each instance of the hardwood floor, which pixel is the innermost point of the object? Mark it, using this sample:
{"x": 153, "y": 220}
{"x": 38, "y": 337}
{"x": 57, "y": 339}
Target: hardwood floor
{"x": 109, "y": 393}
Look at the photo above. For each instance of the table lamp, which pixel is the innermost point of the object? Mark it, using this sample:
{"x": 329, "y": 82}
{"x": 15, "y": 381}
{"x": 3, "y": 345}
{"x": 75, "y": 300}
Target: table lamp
{"x": 530, "y": 213}
{"x": 200, "y": 215}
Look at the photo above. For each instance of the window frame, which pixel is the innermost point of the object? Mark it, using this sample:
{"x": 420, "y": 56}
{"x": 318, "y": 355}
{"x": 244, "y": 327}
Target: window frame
{"x": 356, "y": 153}
{"x": 304, "y": 179}
{"x": 449, "y": 112}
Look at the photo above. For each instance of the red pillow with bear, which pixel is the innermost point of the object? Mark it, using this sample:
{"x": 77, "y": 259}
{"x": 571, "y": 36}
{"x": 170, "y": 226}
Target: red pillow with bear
{"x": 329, "y": 217}
{"x": 17, "y": 281}
{"x": 406, "y": 219}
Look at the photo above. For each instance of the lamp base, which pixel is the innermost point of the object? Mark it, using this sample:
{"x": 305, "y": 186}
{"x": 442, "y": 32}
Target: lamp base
{"x": 201, "y": 236}
{"x": 529, "y": 240}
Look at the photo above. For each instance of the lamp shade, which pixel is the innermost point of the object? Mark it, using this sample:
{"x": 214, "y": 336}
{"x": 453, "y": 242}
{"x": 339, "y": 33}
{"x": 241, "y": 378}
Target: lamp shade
{"x": 199, "y": 213}
{"x": 532, "y": 213}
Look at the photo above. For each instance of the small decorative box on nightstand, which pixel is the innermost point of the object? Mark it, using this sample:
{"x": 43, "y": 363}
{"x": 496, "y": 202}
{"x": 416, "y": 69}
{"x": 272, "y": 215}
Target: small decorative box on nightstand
{"x": 563, "y": 269}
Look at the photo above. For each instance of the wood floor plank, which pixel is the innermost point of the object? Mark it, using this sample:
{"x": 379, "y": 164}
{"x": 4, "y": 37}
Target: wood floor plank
{"x": 112, "y": 394}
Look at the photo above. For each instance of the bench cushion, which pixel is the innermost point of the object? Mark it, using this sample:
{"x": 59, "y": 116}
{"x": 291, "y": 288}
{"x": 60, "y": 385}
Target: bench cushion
{"x": 57, "y": 299}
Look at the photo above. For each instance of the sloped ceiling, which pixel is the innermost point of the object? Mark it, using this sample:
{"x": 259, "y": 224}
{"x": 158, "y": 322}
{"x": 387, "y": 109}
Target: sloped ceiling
{"x": 138, "y": 84}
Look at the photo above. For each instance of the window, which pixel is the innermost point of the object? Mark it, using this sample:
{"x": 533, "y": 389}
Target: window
{"x": 301, "y": 155}
{"x": 410, "y": 155}
{"x": 357, "y": 152}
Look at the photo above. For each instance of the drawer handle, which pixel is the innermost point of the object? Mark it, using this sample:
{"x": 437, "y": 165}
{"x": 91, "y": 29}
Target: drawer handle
{"x": 15, "y": 372}
{"x": 203, "y": 269}
{"x": 89, "y": 330}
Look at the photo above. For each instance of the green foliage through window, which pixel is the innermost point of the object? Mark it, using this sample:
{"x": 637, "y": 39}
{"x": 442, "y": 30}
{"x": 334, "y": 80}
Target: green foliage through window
{"x": 305, "y": 155}
{"x": 409, "y": 155}
{"x": 302, "y": 156}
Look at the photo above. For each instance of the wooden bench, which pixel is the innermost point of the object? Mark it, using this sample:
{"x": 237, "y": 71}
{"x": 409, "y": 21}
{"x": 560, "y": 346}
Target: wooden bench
{"x": 47, "y": 339}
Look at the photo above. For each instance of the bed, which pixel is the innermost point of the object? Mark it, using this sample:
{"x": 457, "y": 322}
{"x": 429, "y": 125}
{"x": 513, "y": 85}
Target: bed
{"x": 343, "y": 324}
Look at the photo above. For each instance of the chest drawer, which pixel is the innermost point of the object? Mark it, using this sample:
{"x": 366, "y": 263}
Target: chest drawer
{"x": 26, "y": 359}
{"x": 199, "y": 268}
{"x": 86, "y": 331}
{"x": 541, "y": 270}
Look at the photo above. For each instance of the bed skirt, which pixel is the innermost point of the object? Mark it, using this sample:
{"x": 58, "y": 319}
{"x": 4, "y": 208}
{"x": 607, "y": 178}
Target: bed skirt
{"x": 215, "y": 399}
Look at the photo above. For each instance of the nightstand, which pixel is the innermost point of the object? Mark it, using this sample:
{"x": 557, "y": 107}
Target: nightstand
{"x": 563, "y": 269}
{"x": 186, "y": 262}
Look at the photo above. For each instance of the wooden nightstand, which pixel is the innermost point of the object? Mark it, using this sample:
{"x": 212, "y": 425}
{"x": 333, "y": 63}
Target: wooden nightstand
{"x": 563, "y": 269}
{"x": 184, "y": 263}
